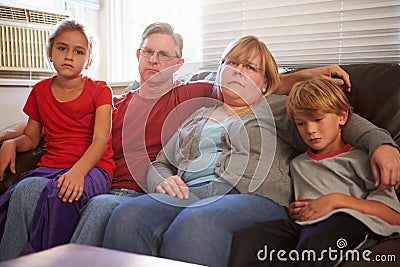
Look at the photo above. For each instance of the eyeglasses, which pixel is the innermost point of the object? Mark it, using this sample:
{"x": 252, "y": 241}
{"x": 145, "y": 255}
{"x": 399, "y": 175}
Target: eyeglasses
{"x": 248, "y": 67}
{"x": 162, "y": 55}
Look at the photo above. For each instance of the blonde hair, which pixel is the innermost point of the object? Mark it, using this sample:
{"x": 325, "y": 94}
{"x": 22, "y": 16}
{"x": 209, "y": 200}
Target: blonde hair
{"x": 246, "y": 47}
{"x": 72, "y": 24}
{"x": 317, "y": 95}
{"x": 164, "y": 28}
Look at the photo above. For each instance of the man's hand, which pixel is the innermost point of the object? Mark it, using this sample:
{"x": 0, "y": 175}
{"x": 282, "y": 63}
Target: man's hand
{"x": 385, "y": 164}
{"x": 333, "y": 73}
{"x": 7, "y": 157}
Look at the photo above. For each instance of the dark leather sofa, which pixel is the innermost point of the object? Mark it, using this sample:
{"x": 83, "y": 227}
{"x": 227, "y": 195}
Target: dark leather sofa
{"x": 375, "y": 95}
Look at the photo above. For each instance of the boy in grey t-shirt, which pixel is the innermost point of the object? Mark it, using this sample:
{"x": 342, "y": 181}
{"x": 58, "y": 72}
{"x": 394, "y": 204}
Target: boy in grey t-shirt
{"x": 336, "y": 203}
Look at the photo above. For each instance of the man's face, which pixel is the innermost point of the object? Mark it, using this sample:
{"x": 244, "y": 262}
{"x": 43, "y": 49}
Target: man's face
{"x": 152, "y": 68}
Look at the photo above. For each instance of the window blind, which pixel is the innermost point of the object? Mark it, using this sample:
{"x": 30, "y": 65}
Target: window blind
{"x": 306, "y": 33}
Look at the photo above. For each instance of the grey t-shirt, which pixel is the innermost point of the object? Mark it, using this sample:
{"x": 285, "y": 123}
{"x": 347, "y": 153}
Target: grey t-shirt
{"x": 347, "y": 173}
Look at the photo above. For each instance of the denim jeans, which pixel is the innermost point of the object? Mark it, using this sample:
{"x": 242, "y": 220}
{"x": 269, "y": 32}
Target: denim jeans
{"x": 19, "y": 217}
{"x": 95, "y": 215}
{"x": 137, "y": 225}
{"x": 197, "y": 230}
{"x": 22, "y": 207}
{"x": 203, "y": 234}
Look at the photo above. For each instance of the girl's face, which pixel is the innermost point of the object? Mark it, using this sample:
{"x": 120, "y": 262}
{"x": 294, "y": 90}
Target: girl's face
{"x": 242, "y": 81}
{"x": 70, "y": 54}
{"x": 321, "y": 131}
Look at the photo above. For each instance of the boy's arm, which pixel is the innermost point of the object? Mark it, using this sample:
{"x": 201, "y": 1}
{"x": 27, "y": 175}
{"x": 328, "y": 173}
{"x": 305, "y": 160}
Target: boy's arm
{"x": 71, "y": 183}
{"x": 327, "y": 203}
{"x": 331, "y": 72}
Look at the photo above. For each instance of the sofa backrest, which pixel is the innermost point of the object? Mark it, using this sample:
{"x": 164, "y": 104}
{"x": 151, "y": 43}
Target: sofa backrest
{"x": 375, "y": 94}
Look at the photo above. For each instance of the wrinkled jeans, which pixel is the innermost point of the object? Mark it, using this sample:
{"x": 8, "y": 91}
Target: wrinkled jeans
{"x": 95, "y": 215}
{"x": 90, "y": 229}
{"x": 19, "y": 217}
{"x": 193, "y": 230}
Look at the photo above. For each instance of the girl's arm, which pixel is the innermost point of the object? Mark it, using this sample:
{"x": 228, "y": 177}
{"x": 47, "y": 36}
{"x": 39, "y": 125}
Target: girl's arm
{"x": 27, "y": 141}
{"x": 71, "y": 183}
{"x": 327, "y": 203}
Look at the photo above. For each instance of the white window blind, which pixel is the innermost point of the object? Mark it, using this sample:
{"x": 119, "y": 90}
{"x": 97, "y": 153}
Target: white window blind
{"x": 305, "y": 33}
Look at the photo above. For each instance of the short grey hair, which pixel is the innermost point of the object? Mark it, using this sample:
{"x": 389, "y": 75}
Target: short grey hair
{"x": 164, "y": 28}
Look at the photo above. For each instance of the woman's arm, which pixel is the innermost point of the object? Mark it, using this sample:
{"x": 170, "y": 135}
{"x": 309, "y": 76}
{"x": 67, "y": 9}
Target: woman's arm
{"x": 331, "y": 72}
{"x": 71, "y": 183}
{"x": 162, "y": 167}
{"x": 327, "y": 203}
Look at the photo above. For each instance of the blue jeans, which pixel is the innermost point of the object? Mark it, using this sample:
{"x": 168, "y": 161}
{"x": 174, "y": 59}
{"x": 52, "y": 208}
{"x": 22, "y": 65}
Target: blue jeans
{"x": 19, "y": 217}
{"x": 197, "y": 231}
{"x": 90, "y": 229}
{"x": 95, "y": 215}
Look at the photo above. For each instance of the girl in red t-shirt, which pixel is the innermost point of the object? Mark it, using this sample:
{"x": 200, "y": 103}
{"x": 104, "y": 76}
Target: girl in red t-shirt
{"x": 74, "y": 112}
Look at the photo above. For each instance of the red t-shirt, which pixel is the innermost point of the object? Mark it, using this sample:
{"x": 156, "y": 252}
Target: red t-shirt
{"x": 69, "y": 126}
{"x": 138, "y": 117}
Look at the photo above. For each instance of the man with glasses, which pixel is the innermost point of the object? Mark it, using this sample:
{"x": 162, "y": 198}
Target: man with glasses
{"x": 136, "y": 133}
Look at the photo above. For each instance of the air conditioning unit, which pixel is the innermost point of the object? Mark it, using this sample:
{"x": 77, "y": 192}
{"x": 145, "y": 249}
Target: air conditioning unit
{"x": 23, "y": 34}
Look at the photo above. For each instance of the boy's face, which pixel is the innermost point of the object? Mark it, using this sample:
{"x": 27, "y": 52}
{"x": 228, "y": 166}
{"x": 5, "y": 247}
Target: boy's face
{"x": 321, "y": 131}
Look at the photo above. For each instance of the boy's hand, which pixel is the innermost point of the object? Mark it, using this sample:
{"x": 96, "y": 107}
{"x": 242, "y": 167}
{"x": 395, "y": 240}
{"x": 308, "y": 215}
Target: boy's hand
{"x": 296, "y": 206}
{"x": 318, "y": 207}
{"x": 71, "y": 186}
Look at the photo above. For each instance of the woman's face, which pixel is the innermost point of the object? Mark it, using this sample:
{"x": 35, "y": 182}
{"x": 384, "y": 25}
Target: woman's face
{"x": 242, "y": 81}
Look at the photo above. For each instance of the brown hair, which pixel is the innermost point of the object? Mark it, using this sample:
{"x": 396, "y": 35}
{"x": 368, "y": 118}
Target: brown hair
{"x": 164, "y": 28}
{"x": 317, "y": 95}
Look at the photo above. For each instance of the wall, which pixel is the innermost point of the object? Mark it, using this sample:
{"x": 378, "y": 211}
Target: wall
{"x": 13, "y": 96}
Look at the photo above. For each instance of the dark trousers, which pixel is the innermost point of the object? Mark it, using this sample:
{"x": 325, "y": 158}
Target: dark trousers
{"x": 270, "y": 243}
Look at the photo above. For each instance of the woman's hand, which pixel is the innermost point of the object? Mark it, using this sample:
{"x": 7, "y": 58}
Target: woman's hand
{"x": 385, "y": 164}
{"x": 71, "y": 186}
{"x": 296, "y": 206}
{"x": 174, "y": 186}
